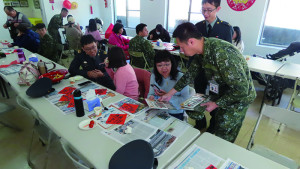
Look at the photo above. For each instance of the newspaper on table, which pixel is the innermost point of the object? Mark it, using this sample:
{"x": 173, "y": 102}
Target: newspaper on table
{"x": 197, "y": 158}
{"x": 141, "y": 107}
{"x": 193, "y": 101}
{"x": 12, "y": 69}
{"x": 102, "y": 117}
{"x": 159, "y": 140}
{"x": 54, "y": 97}
{"x": 230, "y": 164}
{"x": 155, "y": 104}
{"x": 162, "y": 120}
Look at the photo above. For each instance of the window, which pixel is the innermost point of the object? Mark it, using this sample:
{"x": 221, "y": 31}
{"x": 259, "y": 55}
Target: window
{"x": 281, "y": 25}
{"x": 128, "y": 11}
{"x": 182, "y": 11}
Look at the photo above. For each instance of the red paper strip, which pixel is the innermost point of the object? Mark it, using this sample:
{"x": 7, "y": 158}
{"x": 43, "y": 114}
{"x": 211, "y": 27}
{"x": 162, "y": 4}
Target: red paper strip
{"x": 116, "y": 119}
{"x": 67, "y": 97}
{"x": 211, "y": 167}
{"x": 100, "y": 91}
{"x": 71, "y": 104}
{"x": 131, "y": 108}
{"x": 67, "y": 90}
{"x": 4, "y": 66}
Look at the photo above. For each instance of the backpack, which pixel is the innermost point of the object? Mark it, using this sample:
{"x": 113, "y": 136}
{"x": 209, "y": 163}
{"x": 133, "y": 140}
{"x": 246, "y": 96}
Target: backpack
{"x": 28, "y": 74}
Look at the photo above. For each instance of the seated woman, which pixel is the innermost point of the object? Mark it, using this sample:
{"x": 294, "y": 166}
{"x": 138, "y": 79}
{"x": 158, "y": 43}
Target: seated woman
{"x": 27, "y": 39}
{"x": 165, "y": 75}
{"x": 123, "y": 75}
{"x": 117, "y": 39}
{"x": 237, "y": 39}
{"x": 92, "y": 30}
{"x": 159, "y": 33}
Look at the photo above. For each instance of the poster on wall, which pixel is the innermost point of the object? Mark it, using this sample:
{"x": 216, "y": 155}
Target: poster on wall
{"x": 24, "y": 3}
{"x": 15, "y": 3}
{"x": 36, "y": 4}
{"x": 240, "y": 5}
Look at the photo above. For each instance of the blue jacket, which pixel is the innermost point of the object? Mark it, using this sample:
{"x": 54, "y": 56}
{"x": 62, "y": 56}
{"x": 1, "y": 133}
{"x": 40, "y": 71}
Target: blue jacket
{"x": 29, "y": 40}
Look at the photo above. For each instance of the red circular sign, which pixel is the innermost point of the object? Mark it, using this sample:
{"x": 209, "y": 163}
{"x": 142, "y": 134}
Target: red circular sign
{"x": 240, "y": 5}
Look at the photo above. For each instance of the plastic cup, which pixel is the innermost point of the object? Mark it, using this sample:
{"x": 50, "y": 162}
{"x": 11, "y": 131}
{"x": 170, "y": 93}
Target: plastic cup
{"x": 72, "y": 80}
{"x": 98, "y": 110}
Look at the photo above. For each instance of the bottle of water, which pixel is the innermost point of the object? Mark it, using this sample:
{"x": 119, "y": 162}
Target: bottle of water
{"x": 78, "y": 103}
{"x": 21, "y": 56}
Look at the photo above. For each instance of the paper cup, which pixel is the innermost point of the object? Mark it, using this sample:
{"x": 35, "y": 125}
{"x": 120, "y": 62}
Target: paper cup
{"x": 72, "y": 80}
{"x": 98, "y": 110}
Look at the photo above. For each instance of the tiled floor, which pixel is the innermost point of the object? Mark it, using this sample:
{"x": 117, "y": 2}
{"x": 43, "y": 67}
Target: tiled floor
{"x": 14, "y": 145}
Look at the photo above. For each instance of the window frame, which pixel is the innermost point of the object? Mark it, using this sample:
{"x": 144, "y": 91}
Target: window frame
{"x": 115, "y": 13}
{"x": 189, "y": 12}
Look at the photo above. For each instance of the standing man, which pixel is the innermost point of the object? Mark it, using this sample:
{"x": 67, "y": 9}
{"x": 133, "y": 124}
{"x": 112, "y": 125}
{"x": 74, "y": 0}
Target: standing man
{"x": 229, "y": 78}
{"x": 139, "y": 44}
{"x": 48, "y": 46}
{"x": 57, "y": 22}
{"x": 90, "y": 63}
{"x": 212, "y": 26}
{"x": 14, "y": 19}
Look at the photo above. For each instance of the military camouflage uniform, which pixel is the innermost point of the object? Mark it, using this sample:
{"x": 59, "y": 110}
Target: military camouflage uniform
{"x": 139, "y": 44}
{"x": 55, "y": 23}
{"x": 224, "y": 64}
{"x": 48, "y": 48}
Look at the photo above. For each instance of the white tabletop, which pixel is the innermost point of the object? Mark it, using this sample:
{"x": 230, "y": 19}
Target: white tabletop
{"x": 289, "y": 71}
{"x": 225, "y": 149}
{"x": 163, "y": 45}
{"x": 94, "y": 146}
{"x": 265, "y": 66}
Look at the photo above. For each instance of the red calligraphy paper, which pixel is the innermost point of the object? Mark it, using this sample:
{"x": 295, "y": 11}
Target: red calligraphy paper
{"x": 211, "y": 167}
{"x": 131, "y": 108}
{"x": 67, "y": 90}
{"x": 71, "y": 104}
{"x": 100, "y": 91}
{"x": 67, "y": 97}
{"x": 116, "y": 119}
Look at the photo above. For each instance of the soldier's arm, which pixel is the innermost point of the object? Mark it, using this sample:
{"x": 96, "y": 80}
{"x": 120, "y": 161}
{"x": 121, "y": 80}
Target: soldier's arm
{"x": 189, "y": 76}
{"x": 233, "y": 74}
{"x": 229, "y": 34}
{"x": 149, "y": 52}
{"x": 75, "y": 65}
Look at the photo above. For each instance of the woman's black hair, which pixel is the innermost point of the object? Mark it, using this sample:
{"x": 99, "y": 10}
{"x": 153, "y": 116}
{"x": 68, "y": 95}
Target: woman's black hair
{"x": 238, "y": 34}
{"x": 22, "y": 28}
{"x": 117, "y": 27}
{"x": 164, "y": 56}
{"x": 92, "y": 25}
{"x": 116, "y": 57}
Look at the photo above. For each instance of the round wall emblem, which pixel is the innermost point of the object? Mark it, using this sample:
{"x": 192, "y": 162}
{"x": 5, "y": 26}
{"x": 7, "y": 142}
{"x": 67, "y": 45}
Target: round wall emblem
{"x": 240, "y": 5}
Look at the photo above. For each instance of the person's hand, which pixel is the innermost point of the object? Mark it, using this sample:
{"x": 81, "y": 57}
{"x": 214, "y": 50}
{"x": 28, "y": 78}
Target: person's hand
{"x": 167, "y": 96}
{"x": 151, "y": 36}
{"x": 210, "y": 106}
{"x": 106, "y": 62}
{"x": 10, "y": 45}
{"x": 16, "y": 24}
{"x": 151, "y": 98}
{"x": 94, "y": 74}
{"x": 160, "y": 92}
{"x": 5, "y": 26}
{"x": 98, "y": 73}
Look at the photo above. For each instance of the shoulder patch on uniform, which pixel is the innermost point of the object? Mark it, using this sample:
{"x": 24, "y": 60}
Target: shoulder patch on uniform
{"x": 225, "y": 23}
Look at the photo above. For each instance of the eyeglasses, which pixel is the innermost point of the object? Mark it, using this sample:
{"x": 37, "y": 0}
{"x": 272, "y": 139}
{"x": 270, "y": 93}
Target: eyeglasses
{"x": 163, "y": 65}
{"x": 90, "y": 49}
{"x": 203, "y": 11}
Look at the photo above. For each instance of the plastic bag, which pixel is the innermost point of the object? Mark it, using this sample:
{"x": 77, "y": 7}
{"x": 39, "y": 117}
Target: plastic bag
{"x": 108, "y": 32}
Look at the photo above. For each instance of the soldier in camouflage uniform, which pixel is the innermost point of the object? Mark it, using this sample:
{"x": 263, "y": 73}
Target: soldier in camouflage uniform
{"x": 139, "y": 44}
{"x": 229, "y": 79}
{"x": 55, "y": 23}
{"x": 47, "y": 46}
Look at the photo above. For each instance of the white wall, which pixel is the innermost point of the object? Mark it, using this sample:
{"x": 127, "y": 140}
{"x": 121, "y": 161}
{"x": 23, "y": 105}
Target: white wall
{"x": 30, "y": 11}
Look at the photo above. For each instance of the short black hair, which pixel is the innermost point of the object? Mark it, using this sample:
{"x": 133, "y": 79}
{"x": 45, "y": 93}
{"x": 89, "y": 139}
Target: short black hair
{"x": 64, "y": 10}
{"x": 238, "y": 34}
{"x": 216, "y": 3}
{"x": 9, "y": 8}
{"x": 140, "y": 27}
{"x": 159, "y": 27}
{"x": 117, "y": 27}
{"x": 87, "y": 39}
{"x": 119, "y": 21}
{"x": 186, "y": 31}
{"x": 22, "y": 28}
{"x": 40, "y": 26}
{"x": 92, "y": 25}
{"x": 116, "y": 57}
{"x": 164, "y": 56}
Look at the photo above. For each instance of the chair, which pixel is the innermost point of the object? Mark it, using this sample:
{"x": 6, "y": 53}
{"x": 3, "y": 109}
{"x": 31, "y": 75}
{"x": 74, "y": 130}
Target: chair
{"x": 6, "y": 108}
{"x": 77, "y": 161}
{"x": 65, "y": 49}
{"x": 134, "y": 54}
{"x": 183, "y": 59}
{"x": 295, "y": 99}
{"x": 143, "y": 78}
{"x": 290, "y": 119}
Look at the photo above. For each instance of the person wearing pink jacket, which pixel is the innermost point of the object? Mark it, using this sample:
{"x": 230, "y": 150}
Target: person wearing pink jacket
{"x": 117, "y": 39}
{"x": 122, "y": 73}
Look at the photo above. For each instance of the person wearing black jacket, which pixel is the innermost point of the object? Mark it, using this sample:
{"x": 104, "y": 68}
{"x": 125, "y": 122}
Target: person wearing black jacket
{"x": 91, "y": 60}
{"x": 159, "y": 33}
